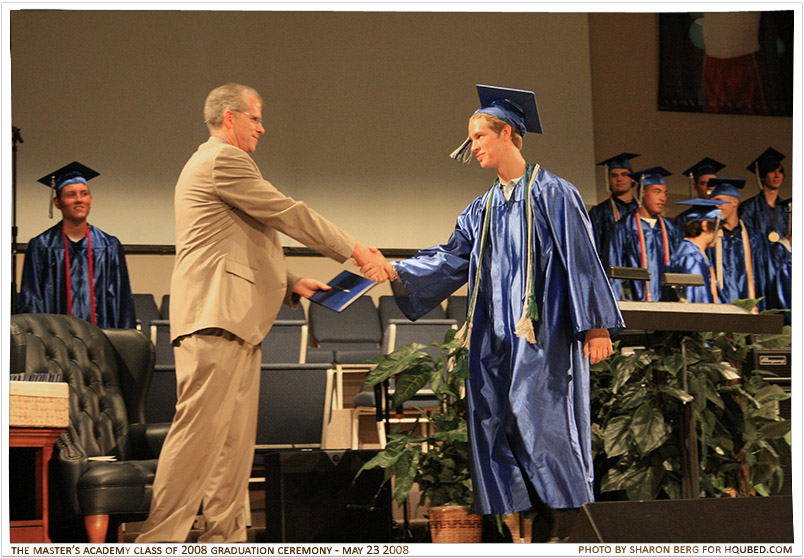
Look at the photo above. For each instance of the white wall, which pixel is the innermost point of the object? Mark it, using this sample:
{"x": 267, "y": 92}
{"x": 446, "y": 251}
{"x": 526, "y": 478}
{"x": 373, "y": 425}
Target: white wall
{"x": 361, "y": 109}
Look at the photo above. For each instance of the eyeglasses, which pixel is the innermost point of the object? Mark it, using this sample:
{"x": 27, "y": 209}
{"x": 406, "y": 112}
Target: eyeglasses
{"x": 256, "y": 120}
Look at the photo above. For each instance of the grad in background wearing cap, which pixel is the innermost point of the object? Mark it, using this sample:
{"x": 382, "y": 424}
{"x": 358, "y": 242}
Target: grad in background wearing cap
{"x": 621, "y": 201}
{"x": 700, "y": 231}
{"x": 526, "y": 249}
{"x": 780, "y": 270}
{"x": 763, "y": 212}
{"x": 645, "y": 238}
{"x": 74, "y": 268}
{"x": 699, "y": 175}
{"x": 740, "y": 254}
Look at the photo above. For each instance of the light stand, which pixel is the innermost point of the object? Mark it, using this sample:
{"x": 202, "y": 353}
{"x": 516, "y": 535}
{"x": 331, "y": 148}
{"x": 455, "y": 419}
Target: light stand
{"x": 16, "y": 137}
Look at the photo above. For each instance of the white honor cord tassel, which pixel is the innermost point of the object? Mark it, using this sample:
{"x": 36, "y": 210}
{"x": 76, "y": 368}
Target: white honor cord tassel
{"x": 524, "y": 327}
{"x": 464, "y": 334}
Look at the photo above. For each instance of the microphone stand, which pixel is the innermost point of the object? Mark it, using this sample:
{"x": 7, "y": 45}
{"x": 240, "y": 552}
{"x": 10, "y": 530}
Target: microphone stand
{"x": 16, "y": 137}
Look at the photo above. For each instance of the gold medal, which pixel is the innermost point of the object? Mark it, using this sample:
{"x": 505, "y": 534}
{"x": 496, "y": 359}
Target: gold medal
{"x": 773, "y": 236}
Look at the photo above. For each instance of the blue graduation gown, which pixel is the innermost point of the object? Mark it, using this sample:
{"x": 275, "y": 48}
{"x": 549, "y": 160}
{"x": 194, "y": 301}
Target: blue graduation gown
{"x": 688, "y": 258}
{"x": 624, "y": 251}
{"x": 735, "y": 277}
{"x": 43, "y": 288}
{"x": 682, "y": 218}
{"x": 603, "y": 219}
{"x": 528, "y": 405}
{"x": 779, "y": 291}
{"x": 759, "y": 216}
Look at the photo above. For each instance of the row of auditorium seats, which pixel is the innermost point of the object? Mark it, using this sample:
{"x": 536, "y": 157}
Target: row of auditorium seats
{"x": 353, "y": 336}
{"x": 293, "y": 365}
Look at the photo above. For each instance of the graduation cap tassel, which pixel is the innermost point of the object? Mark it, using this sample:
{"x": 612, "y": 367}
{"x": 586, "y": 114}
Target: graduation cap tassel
{"x": 52, "y": 197}
{"x": 756, "y": 174}
{"x": 641, "y": 187}
{"x": 692, "y": 185}
{"x": 463, "y": 154}
{"x": 717, "y": 227}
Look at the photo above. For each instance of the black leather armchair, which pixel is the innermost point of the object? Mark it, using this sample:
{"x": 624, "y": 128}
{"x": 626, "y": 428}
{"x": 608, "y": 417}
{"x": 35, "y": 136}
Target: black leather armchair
{"x": 109, "y": 372}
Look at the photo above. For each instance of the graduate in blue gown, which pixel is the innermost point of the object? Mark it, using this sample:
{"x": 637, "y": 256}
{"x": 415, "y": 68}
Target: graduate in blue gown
{"x": 540, "y": 309}
{"x": 700, "y": 231}
{"x": 644, "y": 239}
{"x": 94, "y": 288}
{"x": 699, "y": 174}
{"x": 779, "y": 288}
{"x": 621, "y": 201}
{"x": 740, "y": 255}
{"x": 766, "y": 213}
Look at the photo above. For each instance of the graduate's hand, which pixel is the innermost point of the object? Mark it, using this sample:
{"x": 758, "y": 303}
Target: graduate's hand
{"x": 307, "y": 287}
{"x": 371, "y": 262}
{"x": 597, "y": 345}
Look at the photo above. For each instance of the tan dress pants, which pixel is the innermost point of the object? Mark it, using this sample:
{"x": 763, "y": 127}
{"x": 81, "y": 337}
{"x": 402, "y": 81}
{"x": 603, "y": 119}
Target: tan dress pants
{"x": 208, "y": 453}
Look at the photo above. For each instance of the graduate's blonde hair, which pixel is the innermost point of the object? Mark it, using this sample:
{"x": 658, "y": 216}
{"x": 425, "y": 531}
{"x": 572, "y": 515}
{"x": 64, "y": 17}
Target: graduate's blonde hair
{"x": 497, "y": 125}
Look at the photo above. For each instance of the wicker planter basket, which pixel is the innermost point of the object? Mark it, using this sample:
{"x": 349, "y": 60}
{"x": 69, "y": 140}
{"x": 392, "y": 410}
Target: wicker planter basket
{"x": 454, "y": 524}
{"x": 512, "y": 522}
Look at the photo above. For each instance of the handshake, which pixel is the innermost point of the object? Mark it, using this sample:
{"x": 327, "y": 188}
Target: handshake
{"x": 373, "y": 264}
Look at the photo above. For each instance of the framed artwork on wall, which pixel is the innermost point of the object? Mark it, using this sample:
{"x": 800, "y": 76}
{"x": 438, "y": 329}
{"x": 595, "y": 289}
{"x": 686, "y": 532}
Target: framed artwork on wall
{"x": 726, "y": 62}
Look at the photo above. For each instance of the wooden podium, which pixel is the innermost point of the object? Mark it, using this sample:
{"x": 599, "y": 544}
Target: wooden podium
{"x": 35, "y": 530}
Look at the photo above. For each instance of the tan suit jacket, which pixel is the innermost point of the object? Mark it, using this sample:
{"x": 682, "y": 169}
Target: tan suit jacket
{"x": 230, "y": 270}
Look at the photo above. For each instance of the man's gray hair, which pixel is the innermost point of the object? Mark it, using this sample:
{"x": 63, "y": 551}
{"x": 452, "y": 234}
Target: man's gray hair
{"x": 231, "y": 96}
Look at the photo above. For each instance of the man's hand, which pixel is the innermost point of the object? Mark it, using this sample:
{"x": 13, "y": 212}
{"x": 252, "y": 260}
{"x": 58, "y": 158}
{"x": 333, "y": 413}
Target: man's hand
{"x": 307, "y": 287}
{"x": 371, "y": 262}
{"x": 597, "y": 346}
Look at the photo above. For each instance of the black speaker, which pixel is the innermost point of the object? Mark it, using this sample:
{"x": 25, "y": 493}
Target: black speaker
{"x": 704, "y": 520}
{"x": 310, "y": 497}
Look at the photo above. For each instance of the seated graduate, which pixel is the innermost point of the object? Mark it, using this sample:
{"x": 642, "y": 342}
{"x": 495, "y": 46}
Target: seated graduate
{"x": 778, "y": 289}
{"x": 699, "y": 174}
{"x": 740, "y": 255}
{"x": 644, "y": 238}
{"x": 75, "y": 268}
{"x": 621, "y": 201}
{"x": 700, "y": 231}
{"x": 763, "y": 212}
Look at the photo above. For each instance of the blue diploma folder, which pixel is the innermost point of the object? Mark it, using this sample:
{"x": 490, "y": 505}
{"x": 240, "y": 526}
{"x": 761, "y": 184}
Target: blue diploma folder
{"x": 346, "y": 288}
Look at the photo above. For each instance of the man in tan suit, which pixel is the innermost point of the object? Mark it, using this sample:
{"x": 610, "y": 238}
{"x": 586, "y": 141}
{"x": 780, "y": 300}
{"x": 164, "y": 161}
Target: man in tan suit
{"x": 228, "y": 283}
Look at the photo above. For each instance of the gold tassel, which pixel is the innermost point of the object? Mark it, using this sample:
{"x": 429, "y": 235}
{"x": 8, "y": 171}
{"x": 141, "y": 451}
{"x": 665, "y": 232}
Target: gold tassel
{"x": 52, "y": 196}
{"x": 465, "y": 334}
{"x": 524, "y": 327}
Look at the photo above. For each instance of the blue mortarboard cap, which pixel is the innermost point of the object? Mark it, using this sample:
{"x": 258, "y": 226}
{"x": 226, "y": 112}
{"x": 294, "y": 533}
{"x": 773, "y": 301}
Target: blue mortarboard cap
{"x": 516, "y": 107}
{"x": 725, "y": 187}
{"x": 653, "y": 175}
{"x": 768, "y": 161}
{"x": 72, "y": 173}
{"x": 704, "y": 166}
{"x": 703, "y": 209}
{"x": 621, "y": 161}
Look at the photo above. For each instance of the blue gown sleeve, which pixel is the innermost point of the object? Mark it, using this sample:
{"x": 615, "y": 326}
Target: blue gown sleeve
{"x": 592, "y": 302}
{"x": 32, "y": 296}
{"x": 434, "y": 273}
{"x": 124, "y": 298}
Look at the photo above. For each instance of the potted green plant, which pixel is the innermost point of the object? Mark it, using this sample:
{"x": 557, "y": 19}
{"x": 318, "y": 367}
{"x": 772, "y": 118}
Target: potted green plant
{"x": 439, "y": 461}
{"x": 637, "y": 406}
